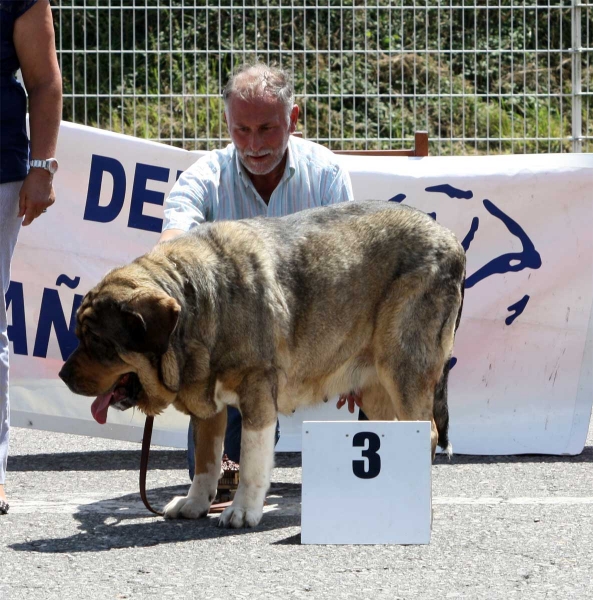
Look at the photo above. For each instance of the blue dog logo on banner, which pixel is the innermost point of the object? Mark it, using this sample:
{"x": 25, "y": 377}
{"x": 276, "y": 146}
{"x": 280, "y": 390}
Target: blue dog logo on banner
{"x": 528, "y": 258}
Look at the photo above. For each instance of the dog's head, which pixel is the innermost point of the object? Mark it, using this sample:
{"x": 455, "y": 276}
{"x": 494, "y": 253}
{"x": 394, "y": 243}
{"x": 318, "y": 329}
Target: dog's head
{"x": 124, "y": 356}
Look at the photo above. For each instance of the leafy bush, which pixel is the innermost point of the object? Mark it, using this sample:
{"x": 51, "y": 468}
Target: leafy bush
{"x": 479, "y": 78}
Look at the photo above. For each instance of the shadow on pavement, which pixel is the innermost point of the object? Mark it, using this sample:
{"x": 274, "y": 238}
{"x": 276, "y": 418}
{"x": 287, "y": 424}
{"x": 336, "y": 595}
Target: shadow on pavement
{"x": 123, "y": 522}
{"x": 118, "y": 460}
{"x": 293, "y": 540}
{"x": 109, "y": 460}
{"x": 586, "y": 456}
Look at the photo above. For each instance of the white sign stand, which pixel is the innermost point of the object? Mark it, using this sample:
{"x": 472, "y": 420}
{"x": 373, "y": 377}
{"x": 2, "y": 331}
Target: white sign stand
{"x": 366, "y": 482}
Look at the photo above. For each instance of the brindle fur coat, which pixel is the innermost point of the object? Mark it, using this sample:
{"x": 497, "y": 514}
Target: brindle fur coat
{"x": 270, "y": 315}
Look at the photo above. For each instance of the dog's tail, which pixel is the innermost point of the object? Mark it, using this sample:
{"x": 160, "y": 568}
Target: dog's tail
{"x": 441, "y": 406}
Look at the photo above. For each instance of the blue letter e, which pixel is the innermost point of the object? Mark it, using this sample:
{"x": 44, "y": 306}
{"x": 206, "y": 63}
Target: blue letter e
{"x": 93, "y": 211}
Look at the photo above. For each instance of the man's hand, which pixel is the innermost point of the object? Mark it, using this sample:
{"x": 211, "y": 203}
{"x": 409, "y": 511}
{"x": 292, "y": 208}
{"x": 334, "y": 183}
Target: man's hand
{"x": 354, "y": 397}
{"x": 169, "y": 234}
{"x": 36, "y": 195}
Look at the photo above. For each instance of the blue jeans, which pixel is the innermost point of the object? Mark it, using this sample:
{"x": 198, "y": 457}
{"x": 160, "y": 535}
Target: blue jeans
{"x": 232, "y": 439}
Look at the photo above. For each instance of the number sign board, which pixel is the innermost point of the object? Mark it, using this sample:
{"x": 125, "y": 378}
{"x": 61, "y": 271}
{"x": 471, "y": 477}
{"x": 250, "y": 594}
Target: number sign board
{"x": 366, "y": 482}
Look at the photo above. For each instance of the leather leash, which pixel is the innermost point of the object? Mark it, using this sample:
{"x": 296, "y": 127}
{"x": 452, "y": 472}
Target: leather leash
{"x": 144, "y": 464}
{"x": 214, "y": 508}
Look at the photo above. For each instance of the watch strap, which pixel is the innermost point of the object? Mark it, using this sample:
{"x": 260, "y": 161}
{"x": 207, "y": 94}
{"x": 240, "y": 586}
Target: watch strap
{"x": 39, "y": 164}
{"x": 49, "y": 164}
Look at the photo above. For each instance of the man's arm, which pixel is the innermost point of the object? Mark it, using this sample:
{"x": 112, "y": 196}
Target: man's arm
{"x": 187, "y": 204}
{"x": 169, "y": 234}
{"x": 34, "y": 41}
{"x": 340, "y": 187}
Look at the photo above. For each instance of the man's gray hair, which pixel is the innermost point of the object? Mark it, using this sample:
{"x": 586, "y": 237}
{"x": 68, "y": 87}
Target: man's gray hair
{"x": 254, "y": 80}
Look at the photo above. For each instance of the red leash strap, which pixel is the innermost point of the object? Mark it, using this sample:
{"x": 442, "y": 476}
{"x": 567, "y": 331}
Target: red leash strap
{"x": 144, "y": 464}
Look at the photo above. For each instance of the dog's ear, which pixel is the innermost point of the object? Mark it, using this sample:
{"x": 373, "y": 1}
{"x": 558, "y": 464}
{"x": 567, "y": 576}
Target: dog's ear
{"x": 150, "y": 319}
{"x": 169, "y": 371}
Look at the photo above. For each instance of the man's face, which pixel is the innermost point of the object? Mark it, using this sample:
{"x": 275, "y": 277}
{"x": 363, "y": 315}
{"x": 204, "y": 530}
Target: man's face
{"x": 259, "y": 129}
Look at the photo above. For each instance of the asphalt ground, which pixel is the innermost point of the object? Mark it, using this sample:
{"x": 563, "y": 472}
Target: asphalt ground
{"x": 504, "y": 527}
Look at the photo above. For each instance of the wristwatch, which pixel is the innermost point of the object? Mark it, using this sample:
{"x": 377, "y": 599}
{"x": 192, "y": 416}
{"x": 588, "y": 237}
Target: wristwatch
{"x": 50, "y": 164}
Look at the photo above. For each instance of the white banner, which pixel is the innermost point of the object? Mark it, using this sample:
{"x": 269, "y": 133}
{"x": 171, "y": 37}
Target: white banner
{"x": 523, "y": 375}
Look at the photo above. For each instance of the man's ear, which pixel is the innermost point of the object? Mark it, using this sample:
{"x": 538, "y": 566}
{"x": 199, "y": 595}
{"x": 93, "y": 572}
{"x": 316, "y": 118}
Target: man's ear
{"x": 150, "y": 319}
{"x": 294, "y": 117}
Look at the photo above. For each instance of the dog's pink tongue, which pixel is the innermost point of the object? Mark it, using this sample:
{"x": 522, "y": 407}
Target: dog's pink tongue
{"x": 100, "y": 406}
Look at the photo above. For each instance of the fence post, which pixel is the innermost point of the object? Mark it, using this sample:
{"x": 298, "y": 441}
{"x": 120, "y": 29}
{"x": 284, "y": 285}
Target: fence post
{"x": 577, "y": 142}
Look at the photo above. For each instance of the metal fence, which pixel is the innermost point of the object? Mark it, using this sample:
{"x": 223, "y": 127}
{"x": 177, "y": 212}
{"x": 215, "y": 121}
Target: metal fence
{"x": 481, "y": 76}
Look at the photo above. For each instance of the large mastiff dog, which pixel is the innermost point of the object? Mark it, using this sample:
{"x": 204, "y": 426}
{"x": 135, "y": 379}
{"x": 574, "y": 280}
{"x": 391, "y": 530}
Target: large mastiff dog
{"x": 273, "y": 314}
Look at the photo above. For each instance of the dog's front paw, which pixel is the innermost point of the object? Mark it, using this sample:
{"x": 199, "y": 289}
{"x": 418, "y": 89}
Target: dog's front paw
{"x": 236, "y": 516}
{"x": 186, "y": 507}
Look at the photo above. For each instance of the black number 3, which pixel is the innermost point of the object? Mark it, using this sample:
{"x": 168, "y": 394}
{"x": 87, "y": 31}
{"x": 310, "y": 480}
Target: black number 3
{"x": 374, "y": 460}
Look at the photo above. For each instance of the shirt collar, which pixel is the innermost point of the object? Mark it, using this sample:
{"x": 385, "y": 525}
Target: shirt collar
{"x": 243, "y": 175}
{"x": 290, "y": 162}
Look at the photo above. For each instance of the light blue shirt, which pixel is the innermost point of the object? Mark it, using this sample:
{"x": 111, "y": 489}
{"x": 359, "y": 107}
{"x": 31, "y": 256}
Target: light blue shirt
{"x": 217, "y": 187}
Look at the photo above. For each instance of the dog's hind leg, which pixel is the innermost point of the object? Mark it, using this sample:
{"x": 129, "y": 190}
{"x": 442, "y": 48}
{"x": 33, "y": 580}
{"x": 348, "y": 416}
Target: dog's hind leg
{"x": 411, "y": 396}
{"x": 376, "y": 403}
{"x": 413, "y": 343}
{"x": 257, "y": 394}
{"x": 208, "y": 438}
{"x": 441, "y": 405}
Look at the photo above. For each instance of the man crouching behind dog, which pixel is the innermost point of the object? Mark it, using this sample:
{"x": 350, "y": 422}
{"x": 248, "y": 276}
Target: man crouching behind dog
{"x": 267, "y": 315}
{"x": 264, "y": 172}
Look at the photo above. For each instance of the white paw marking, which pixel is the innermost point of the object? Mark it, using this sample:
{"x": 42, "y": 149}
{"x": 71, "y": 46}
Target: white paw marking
{"x": 186, "y": 507}
{"x": 240, "y": 516}
{"x": 257, "y": 460}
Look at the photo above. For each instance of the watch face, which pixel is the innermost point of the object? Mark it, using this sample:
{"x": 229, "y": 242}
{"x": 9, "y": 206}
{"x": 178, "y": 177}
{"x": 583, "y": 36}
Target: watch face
{"x": 52, "y": 165}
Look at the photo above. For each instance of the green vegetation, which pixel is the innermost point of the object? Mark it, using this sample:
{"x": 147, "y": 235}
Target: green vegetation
{"x": 479, "y": 78}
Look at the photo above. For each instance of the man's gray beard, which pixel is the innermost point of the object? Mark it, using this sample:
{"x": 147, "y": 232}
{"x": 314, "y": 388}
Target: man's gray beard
{"x": 268, "y": 170}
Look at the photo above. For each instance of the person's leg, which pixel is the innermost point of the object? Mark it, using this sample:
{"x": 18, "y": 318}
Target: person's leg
{"x": 9, "y": 228}
{"x": 362, "y": 416}
{"x": 232, "y": 439}
{"x": 191, "y": 451}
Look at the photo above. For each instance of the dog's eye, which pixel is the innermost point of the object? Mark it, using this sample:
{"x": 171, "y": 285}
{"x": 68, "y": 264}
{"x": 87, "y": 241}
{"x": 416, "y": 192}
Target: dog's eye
{"x": 96, "y": 340}
{"x": 100, "y": 347}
